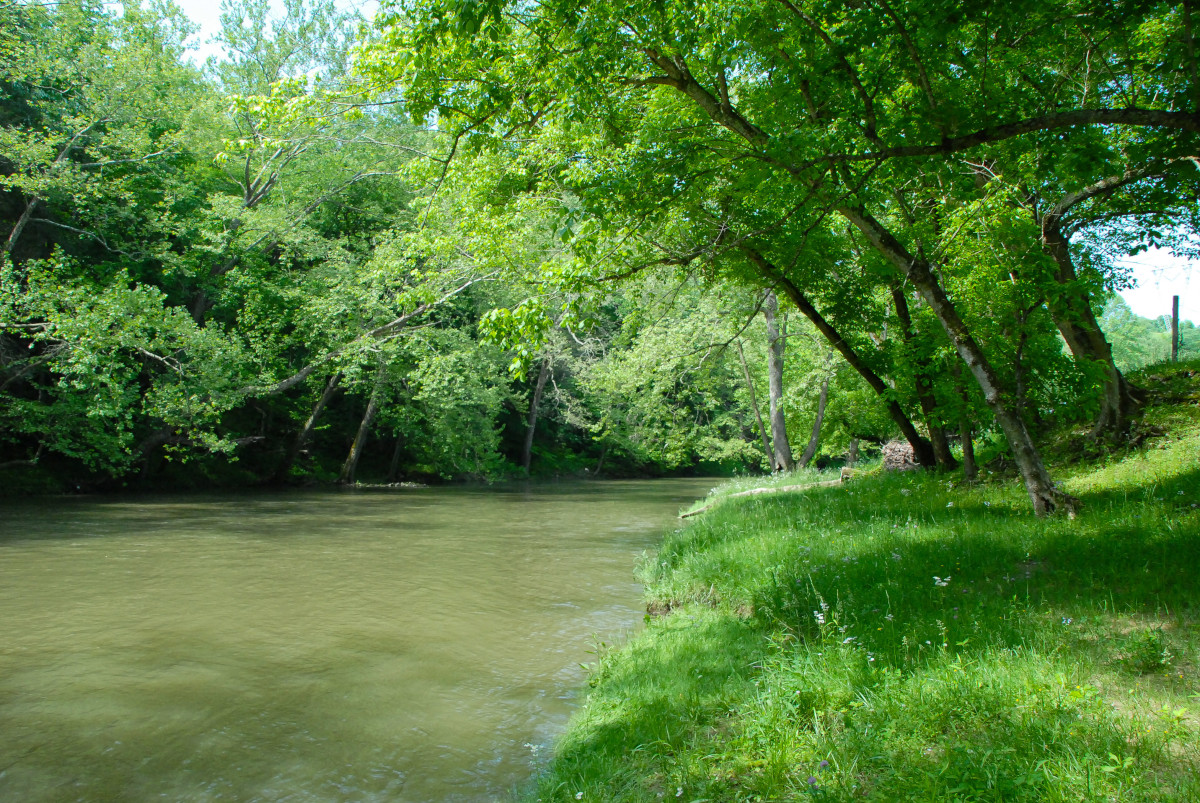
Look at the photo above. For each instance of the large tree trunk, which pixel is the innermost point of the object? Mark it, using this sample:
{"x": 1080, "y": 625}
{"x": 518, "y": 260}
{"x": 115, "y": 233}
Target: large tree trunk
{"x": 762, "y": 430}
{"x": 534, "y": 403}
{"x": 937, "y": 434}
{"x": 1042, "y": 493}
{"x": 350, "y": 467}
{"x": 1071, "y": 310}
{"x": 311, "y": 424}
{"x": 781, "y": 449}
{"x": 922, "y": 450}
{"x": 815, "y": 438}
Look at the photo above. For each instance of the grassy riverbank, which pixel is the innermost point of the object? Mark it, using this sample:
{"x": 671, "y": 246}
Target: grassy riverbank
{"x": 906, "y": 637}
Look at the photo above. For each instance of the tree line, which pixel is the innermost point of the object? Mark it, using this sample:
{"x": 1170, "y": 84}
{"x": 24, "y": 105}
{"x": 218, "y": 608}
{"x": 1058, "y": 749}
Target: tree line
{"x": 477, "y": 238}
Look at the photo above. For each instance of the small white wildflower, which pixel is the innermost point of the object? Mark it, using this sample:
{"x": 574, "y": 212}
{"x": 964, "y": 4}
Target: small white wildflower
{"x": 889, "y": 617}
{"x": 848, "y": 639}
{"x": 905, "y": 492}
{"x": 679, "y": 791}
{"x": 941, "y": 582}
{"x": 987, "y": 504}
{"x": 949, "y": 504}
{"x": 579, "y": 795}
{"x": 895, "y": 556}
{"x": 820, "y": 617}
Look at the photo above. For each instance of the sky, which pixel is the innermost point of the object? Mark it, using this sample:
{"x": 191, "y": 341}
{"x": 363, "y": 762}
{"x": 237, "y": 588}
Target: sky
{"x": 1159, "y": 274}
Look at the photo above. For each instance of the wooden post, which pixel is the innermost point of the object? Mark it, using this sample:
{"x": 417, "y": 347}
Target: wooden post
{"x": 1174, "y": 328}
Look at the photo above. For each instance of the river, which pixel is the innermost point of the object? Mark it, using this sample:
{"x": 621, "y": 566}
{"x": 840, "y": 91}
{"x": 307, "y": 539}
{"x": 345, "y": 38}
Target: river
{"x": 402, "y": 644}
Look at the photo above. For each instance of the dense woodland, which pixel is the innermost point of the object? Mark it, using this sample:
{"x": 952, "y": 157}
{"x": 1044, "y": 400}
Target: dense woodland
{"x": 475, "y": 239}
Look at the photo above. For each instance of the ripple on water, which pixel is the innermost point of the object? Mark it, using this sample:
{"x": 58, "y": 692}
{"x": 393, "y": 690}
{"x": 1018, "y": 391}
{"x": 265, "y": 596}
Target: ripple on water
{"x": 407, "y": 645}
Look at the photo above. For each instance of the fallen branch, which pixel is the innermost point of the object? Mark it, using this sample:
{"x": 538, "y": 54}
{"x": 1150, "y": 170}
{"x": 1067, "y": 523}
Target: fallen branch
{"x": 756, "y": 491}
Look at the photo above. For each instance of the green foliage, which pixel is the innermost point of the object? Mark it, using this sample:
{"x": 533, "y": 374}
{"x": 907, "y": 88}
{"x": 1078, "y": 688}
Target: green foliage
{"x": 1138, "y": 342}
{"x": 460, "y": 391}
{"x": 605, "y": 189}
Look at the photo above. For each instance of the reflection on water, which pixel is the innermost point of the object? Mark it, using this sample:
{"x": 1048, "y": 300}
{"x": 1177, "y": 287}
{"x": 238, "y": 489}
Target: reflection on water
{"x": 411, "y": 645}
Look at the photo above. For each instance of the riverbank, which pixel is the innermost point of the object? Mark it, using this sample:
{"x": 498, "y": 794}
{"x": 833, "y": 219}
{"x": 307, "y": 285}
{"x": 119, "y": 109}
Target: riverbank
{"x": 909, "y": 637}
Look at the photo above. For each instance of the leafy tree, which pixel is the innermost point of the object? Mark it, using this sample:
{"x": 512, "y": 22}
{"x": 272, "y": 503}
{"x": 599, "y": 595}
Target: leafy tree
{"x": 748, "y": 125}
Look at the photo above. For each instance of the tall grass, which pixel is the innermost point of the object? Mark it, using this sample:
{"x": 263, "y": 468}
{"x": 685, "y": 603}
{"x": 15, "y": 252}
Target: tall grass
{"x": 907, "y": 637}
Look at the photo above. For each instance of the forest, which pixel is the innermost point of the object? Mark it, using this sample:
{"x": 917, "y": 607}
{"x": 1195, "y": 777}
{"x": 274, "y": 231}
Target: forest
{"x": 473, "y": 239}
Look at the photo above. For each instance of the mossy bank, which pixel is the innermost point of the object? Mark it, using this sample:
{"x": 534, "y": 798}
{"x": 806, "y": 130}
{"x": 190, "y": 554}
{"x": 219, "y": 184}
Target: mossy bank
{"x": 909, "y": 637}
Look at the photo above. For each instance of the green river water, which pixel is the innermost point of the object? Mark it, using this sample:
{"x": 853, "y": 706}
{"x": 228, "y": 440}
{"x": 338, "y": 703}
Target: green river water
{"x": 398, "y": 645}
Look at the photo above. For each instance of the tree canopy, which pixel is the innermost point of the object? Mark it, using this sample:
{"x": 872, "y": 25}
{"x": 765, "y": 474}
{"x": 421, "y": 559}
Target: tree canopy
{"x": 483, "y": 237}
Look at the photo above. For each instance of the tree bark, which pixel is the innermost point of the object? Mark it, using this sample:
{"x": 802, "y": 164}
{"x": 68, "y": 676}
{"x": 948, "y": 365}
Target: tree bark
{"x": 970, "y": 469}
{"x": 852, "y": 455}
{"x": 527, "y": 449}
{"x": 965, "y": 433}
{"x": 1042, "y": 493}
{"x": 815, "y": 438}
{"x": 922, "y": 450}
{"x": 762, "y": 430}
{"x": 781, "y": 459}
{"x": 937, "y": 434}
{"x": 394, "y": 466}
{"x": 311, "y": 424}
{"x": 350, "y": 467}
{"x": 603, "y": 456}
{"x": 19, "y": 226}
{"x": 1071, "y": 310}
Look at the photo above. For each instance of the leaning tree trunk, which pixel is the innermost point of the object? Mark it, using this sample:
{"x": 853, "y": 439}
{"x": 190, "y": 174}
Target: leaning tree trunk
{"x": 922, "y": 451}
{"x": 1071, "y": 310}
{"x": 311, "y": 424}
{"x": 1042, "y": 493}
{"x": 815, "y": 438}
{"x": 762, "y": 430}
{"x": 350, "y": 467}
{"x": 782, "y": 450}
{"x": 534, "y": 403}
{"x": 937, "y": 434}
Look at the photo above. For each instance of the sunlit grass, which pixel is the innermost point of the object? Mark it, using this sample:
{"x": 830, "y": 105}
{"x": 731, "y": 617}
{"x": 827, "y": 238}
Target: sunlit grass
{"x": 909, "y": 637}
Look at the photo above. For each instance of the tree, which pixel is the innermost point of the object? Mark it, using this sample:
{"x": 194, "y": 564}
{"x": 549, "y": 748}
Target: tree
{"x": 781, "y": 455}
{"x": 668, "y": 111}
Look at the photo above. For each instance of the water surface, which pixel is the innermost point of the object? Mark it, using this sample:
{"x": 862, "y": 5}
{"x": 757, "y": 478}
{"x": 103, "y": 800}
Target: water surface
{"x": 406, "y": 645}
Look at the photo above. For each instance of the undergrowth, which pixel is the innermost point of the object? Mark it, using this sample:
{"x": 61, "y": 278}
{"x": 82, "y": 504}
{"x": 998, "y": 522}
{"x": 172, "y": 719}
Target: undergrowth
{"x": 910, "y": 637}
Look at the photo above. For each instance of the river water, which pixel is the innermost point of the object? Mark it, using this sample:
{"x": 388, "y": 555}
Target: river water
{"x": 399, "y": 645}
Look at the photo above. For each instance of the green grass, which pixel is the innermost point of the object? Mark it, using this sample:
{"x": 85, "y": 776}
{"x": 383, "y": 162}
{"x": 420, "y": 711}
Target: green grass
{"x": 908, "y": 637}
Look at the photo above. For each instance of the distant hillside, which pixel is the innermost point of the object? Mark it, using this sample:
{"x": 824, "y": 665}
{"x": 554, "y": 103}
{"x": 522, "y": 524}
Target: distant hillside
{"x": 1138, "y": 342}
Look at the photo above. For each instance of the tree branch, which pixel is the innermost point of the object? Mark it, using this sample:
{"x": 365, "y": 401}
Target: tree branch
{"x": 865, "y": 98}
{"x": 378, "y": 333}
{"x": 1150, "y": 118}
